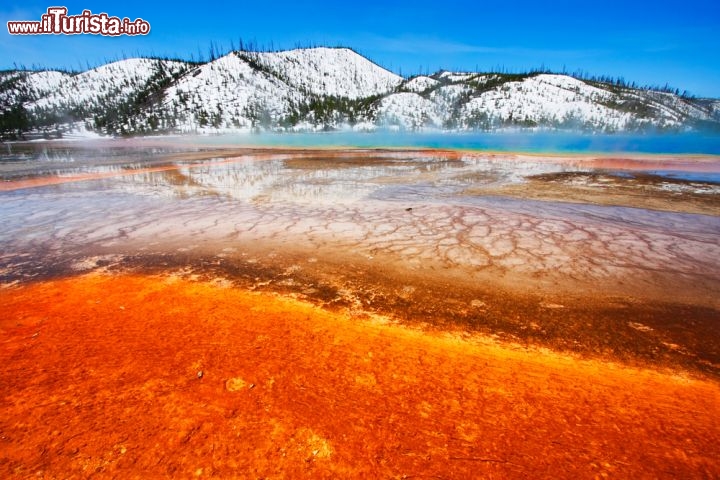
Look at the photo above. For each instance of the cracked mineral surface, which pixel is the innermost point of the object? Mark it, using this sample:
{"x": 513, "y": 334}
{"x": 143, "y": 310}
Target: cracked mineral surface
{"x": 573, "y": 277}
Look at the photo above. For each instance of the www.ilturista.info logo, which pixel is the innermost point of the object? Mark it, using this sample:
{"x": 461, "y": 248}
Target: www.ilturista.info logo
{"x": 57, "y": 22}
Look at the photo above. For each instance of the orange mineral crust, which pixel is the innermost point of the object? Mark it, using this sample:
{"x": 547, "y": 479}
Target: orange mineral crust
{"x": 154, "y": 376}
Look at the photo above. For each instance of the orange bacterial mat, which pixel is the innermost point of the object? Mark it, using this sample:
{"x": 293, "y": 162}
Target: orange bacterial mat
{"x": 152, "y": 376}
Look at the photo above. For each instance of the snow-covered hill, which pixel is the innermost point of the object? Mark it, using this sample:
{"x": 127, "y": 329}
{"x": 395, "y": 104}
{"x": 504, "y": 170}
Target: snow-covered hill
{"x": 30, "y": 86}
{"x": 468, "y": 101}
{"x": 547, "y": 99}
{"x": 338, "y": 72}
{"x": 225, "y": 93}
{"x": 322, "y": 88}
{"x": 252, "y": 89}
{"x": 420, "y": 84}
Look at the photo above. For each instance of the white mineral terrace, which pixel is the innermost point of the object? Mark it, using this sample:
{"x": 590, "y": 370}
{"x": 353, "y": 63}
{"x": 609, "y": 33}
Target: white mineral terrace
{"x": 403, "y": 208}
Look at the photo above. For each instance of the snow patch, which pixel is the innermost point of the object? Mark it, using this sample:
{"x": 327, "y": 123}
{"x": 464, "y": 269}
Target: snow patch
{"x": 420, "y": 84}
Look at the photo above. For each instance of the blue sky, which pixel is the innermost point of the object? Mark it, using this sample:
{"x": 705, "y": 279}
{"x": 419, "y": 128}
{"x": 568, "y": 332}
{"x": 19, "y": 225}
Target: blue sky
{"x": 648, "y": 42}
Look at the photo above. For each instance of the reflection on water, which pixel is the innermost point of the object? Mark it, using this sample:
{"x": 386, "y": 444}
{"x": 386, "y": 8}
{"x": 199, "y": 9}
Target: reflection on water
{"x": 28, "y": 159}
{"x": 327, "y": 179}
{"x": 423, "y": 210}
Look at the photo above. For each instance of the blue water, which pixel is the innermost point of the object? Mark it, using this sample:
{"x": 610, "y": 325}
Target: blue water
{"x": 707, "y": 177}
{"x": 515, "y": 141}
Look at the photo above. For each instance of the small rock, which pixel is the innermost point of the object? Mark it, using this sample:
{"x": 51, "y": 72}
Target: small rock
{"x": 478, "y": 304}
{"x": 235, "y": 384}
{"x": 200, "y": 374}
{"x": 640, "y": 327}
{"x": 409, "y": 209}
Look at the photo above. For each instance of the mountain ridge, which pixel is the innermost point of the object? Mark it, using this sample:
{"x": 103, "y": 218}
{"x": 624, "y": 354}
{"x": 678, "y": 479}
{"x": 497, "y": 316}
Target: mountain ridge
{"x": 323, "y": 88}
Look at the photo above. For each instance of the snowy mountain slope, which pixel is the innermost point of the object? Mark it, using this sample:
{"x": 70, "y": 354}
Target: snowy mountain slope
{"x": 419, "y": 84}
{"x": 265, "y": 89}
{"x": 102, "y": 98}
{"x": 454, "y": 76}
{"x": 714, "y": 109}
{"x": 432, "y": 107}
{"x": 669, "y": 107}
{"x": 29, "y": 86}
{"x": 449, "y": 100}
{"x": 11, "y": 84}
{"x": 468, "y": 101}
{"x": 39, "y": 84}
{"x": 324, "y": 88}
{"x": 228, "y": 92}
{"x": 547, "y": 99}
{"x": 19, "y": 88}
{"x": 408, "y": 111}
{"x": 117, "y": 80}
{"x": 338, "y": 72}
